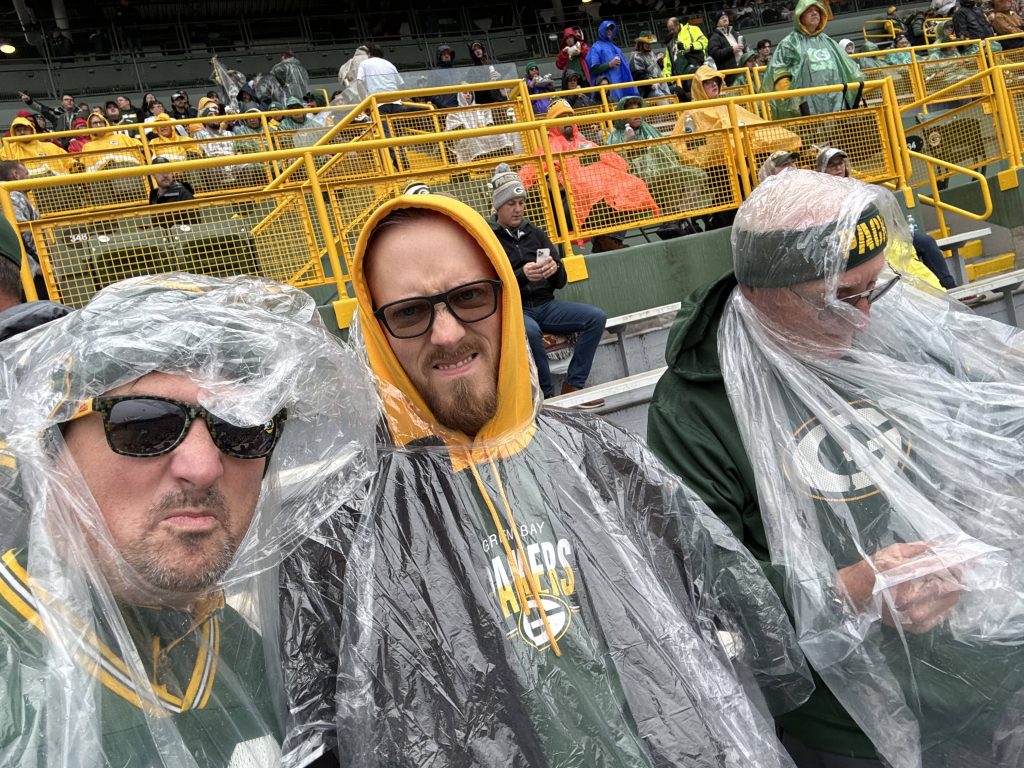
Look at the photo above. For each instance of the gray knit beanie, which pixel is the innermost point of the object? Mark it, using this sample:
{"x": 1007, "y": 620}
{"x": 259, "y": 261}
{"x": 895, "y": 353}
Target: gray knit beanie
{"x": 505, "y": 185}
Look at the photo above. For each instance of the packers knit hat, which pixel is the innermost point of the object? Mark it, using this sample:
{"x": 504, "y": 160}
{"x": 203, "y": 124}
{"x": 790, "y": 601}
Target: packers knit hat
{"x": 781, "y": 238}
{"x": 505, "y": 186}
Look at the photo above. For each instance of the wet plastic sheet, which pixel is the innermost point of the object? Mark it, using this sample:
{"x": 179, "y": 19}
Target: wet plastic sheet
{"x": 99, "y": 669}
{"x": 292, "y": 76}
{"x": 545, "y": 594}
{"x": 889, "y": 470}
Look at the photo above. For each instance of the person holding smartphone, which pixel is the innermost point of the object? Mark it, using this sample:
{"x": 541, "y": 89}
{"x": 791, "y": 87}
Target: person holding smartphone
{"x": 539, "y": 272}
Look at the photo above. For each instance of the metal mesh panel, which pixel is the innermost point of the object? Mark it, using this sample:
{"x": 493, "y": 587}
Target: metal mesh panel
{"x": 1016, "y": 96}
{"x": 266, "y": 235}
{"x": 937, "y": 74}
{"x": 902, "y": 80}
{"x": 966, "y": 136}
{"x": 860, "y": 133}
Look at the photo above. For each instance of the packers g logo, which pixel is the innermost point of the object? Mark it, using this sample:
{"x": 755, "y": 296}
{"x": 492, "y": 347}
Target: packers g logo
{"x": 817, "y": 463}
{"x": 531, "y": 626}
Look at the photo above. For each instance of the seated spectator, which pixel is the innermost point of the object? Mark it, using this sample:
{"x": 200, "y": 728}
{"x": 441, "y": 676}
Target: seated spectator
{"x": 764, "y": 52}
{"x": 16, "y": 314}
{"x": 77, "y": 143}
{"x": 572, "y": 57}
{"x": 12, "y": 170}
{"x": 606, "y": 59}
{"x": 293, "y": 122}
{"x": 571, "y": 82}
{"x": 169, "y": 143}
{"x": 40, "y": 157}
{"x": 899, "y": 54}
{"x": 167, "y": 189}
{"x": 443, "y": 75}
{"x": 129, "y": 115}
{"x": 848, "y": 45}
{"x": 724, "y": 45}
{"x": 777, "y": 162}
{"x": 604, "y": 179}
{"x": 714, "y": 152}
{"x": 930, "y": 264}
{"x": 251, "y": 124}
{"x": 537, "y": 265}
{"x": 146, "y": 110}
{"x": 180, "y": 108}
{"x": 214, "y": 140}
{"x": 537, "y": 84}
{"x": 468, "y": 150}
{"x": 109, "y": 148}
{"x": 969, "y": 21}
{"x": 676, "y": 188}
{"x": 808, "y": 57}
{"x": 247, "y": 98}
{"x": 749, "y": 61}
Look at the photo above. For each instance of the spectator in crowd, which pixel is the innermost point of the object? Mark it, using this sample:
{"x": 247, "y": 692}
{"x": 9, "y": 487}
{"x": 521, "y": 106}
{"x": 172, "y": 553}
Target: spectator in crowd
{"x": 779, "y": 161}
{"x": 808, "y": 57}
{"x": 899, "y": 54}
{"x": 135, "y": 518}
{"x": 17, "y": 315}
{"x": 581, "y": 100}
{"x": 293, "y": 122}
{"x": 1006, "y": 22}
{"x": 378, "y": 75}
{"x": 129, "y": 115}
{"x": 724, "y": 45}
{"x": 468, "y": 117}
{"x": 686, "y": 51}
{"x": 572, "y": 57}
{"x": 747, "y": 61}
{"x": 606, "y": 59}
{"x": 292, "y": 76}
{"x": 146, "y": 110}
{"x": 444, "y": 75}
{"x": 167, "y": 189}
{"x": 77, "y": 143}
{"x": 247, "y": 98}
{"x": 675, "y": 187}
{"x": 537, "y": 267}
{"x": 60, "y": 118}
{"x": 764, "y": 52}
{"x": 929, "y": 265}
{"x": 169, "y": 143}
{"x": 347, "y": 71}
{"x": 537, "y": 85}
{"x": 848, "y": 46}
{"x": 478, "y": 57}
{"x": 251, "y": 124}
{"x": 214, "y": 141}
{"x": 969, "y": 22}
{"x": 643, "y": 64}
{"x": 40, "y": 157}
{"x": 822, "y": 407}
{"x": 605, "y": 179}
{"x": 61, "y": 47}
{"x": 12, "y": 170}
{"x": 892, "y": 15}
{"x": 180, "y": 108}
{"x": 467, "y": 453}
{"x": 108, "y": 149}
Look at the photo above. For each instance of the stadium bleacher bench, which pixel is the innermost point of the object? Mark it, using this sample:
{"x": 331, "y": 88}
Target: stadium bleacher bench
{"x": 616, "y": 393}
{"x": 954, "y": 243}
{"x": 1005, "y": 284}
{"x": 618, "y": 325}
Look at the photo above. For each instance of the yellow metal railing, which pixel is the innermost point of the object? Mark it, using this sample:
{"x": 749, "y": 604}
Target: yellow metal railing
{"x": 934, "y": 200}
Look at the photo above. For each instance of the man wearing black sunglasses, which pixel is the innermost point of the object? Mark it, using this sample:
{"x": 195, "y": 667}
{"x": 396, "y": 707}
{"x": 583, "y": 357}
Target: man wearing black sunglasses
{"x": 821, "y": 406}
{"x": 521, "y": 585}
{"x": 142, "y": 521}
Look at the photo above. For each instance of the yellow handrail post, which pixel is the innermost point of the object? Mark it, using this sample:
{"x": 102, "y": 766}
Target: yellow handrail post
{"x": 575, "y": 266}
{"x": 344, "y": 307}
{"x": 742, "y": 170}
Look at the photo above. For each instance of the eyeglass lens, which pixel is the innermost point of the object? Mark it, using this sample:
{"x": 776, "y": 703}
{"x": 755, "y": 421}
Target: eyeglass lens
{"x": 469, "y": 303}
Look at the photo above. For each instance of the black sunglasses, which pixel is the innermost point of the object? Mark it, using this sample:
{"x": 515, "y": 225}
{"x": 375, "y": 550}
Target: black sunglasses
{"x": 146, "y": 425}
{"x": 468, "y": 303}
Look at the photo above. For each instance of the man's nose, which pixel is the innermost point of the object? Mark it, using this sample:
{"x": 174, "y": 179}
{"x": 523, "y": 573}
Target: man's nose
{"x": 447, "y": 330}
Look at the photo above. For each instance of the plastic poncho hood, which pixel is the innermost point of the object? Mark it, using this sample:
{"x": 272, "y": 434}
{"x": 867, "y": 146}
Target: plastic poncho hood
{"x": 859, "y": 425}
{"x": 532, "y": 605}
{"x": 103, "y": 663}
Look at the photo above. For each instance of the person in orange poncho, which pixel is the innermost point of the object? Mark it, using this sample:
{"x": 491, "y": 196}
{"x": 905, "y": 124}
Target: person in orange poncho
{"x": 607, "y": 180}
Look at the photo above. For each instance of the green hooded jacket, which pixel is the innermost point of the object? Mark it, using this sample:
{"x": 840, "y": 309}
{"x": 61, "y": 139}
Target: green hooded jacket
{"x": 809, "y": 58}
{"x": 692, "y": 429}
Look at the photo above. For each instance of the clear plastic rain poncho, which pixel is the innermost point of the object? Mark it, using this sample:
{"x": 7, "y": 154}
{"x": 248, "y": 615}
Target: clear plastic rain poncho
{"x": 890, "y": 475}
{"x": 292, "y": 76}
{"x": 231, "y": 82}
{"x": 104, "y": 663}
{"x": 546, "y": 594}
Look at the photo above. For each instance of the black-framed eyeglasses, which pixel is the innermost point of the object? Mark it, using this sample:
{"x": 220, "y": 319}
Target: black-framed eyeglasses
{"x": 147, "y": 425}
{"x": 872, "y": 294}
{"x": 468, "y": 303}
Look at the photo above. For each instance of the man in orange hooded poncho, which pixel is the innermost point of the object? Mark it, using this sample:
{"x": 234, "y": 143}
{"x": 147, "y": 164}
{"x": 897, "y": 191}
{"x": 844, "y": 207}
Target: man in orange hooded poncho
{"x": 519, "y": 586}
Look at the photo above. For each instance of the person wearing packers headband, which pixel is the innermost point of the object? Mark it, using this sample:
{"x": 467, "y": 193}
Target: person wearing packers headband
{"x": 860, "y": 435}
{"x": 521, "y": 585}
{"x": 144, "y": 508}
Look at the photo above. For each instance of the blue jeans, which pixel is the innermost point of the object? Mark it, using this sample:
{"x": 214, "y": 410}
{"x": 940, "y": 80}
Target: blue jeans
{"x": 564, "y": 317}
{"x": 929, "y": 252}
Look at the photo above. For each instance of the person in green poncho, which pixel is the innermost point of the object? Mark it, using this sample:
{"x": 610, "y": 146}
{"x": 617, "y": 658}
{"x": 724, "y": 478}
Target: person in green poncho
{"x": 675, "y": 187}
{"x": 807, "y": 57}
